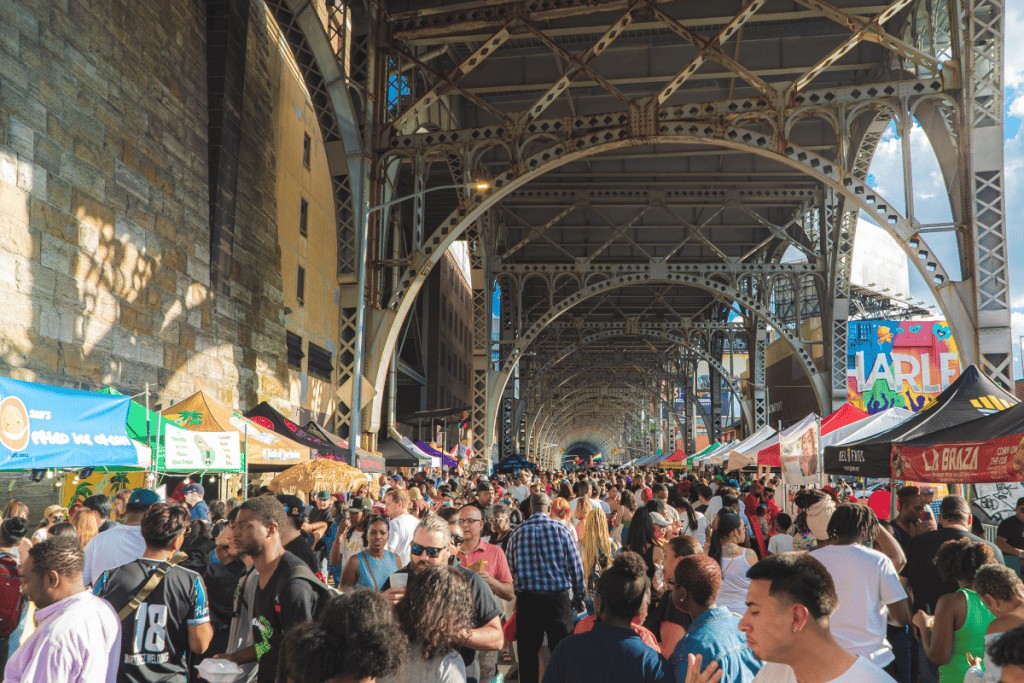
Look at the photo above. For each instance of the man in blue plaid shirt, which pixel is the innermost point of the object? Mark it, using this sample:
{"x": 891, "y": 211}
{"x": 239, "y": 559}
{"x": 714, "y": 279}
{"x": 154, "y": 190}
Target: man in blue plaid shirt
{"x": 547, "y": 575}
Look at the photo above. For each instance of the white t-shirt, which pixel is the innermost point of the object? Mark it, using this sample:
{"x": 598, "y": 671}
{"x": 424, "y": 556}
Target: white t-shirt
{"x": 862, "y": 671}
{"x": 117, "y": 545}
{"x": 593, "y": 504}
{"x": 866, "y": 582}
{"x": 780, "y": 543}
{"x": 400, "y": 533}
{"x": 700, "y": 532}
{"x": 520, "y": 492}
{"x": 40, "y": 535}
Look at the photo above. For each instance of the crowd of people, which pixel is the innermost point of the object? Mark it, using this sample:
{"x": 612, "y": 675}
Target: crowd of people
{"x": 624, "y": 575}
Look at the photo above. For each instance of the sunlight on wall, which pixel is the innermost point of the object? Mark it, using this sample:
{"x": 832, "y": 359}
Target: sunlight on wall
{"x": 17, "y": 180}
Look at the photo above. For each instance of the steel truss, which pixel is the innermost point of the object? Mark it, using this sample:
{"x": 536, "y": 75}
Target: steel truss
{"x": 809, "y": 127}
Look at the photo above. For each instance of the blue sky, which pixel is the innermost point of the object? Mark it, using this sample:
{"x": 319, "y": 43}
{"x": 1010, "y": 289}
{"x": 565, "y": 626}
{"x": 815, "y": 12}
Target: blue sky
{"x": 931, "y": 203}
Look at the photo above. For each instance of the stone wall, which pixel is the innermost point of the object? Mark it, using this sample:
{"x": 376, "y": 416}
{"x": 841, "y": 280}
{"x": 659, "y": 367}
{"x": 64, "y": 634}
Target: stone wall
{"x": 104, "y": 228}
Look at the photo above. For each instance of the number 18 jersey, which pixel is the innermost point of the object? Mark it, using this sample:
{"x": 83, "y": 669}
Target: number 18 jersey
{"x": 154, "y": 638}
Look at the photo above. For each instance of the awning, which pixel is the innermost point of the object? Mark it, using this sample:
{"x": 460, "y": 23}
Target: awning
{"x": 365, "y": 460}
{"x": 971, "y": 396}
{"x": 45, "y": 427}
{"x": 398, "y": 451}
{"x": 744, "y": 453}
{"x": 201, "y": 412}
{"x": 266, "y": 416}
{"x": 445, "y": 459}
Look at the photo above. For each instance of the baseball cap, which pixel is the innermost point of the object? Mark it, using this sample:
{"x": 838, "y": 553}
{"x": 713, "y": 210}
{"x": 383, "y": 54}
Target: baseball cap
{"x": 143, "y": 498}
{"x": 194, "y": 488}
{"x": 293, "y": 505}
{"x": 659, "y": 519}
{"x": 927, "y": 489}
{"x": 324, "y": 495}
{"x": 360, "y": 503}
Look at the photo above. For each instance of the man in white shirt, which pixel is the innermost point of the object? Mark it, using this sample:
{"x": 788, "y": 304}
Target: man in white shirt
{"x": 869, "y": 590}
{"x": 789, "y": 602}
{"x": 403, "y": 525}
{"x": 119, "y": 544}
{"x": 582, "y": 491}
{"x": 521, "y": 491}
{"x": 78, "y": 637}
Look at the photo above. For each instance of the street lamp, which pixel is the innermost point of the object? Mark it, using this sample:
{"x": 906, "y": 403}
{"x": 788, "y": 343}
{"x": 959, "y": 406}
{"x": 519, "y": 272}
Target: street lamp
{"x": 358, "y": 361}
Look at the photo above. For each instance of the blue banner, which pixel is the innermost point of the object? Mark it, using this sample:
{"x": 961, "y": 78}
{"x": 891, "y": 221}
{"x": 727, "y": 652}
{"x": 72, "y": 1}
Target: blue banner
{"x": 44, "y": 427}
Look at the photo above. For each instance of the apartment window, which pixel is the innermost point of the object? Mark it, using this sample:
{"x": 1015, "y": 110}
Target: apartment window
{"x": 295, "y": 355}
{"x": 303, "y": 217}
{"x": 307, "y": 147}
{"x": 320, "y": 363}
{"x": 300, "y": 286}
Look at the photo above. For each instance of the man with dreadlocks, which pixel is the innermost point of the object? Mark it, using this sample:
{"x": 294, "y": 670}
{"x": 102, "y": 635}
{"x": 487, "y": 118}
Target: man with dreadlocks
{"x": 868, "y": 587}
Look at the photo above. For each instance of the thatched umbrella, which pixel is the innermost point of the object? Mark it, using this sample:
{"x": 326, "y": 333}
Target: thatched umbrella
{"x": 319, "y": 475}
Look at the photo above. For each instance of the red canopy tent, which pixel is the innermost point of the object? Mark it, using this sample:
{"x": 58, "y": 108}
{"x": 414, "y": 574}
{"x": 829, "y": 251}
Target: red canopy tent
{"x": 844, "y": 415}
{"x": 676, "y": 460}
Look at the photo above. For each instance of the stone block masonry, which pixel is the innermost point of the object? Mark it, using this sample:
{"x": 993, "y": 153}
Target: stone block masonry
{"x": 104, "y": 204}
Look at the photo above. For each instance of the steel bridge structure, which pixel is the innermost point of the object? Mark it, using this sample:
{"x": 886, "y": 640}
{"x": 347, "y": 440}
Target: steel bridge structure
{"x": 648, "y": 164}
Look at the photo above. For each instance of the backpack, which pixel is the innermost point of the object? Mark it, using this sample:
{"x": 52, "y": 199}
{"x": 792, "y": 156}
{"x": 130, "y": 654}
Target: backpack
{"x": 324, "y": 593}
{"x": 12, "y": 601}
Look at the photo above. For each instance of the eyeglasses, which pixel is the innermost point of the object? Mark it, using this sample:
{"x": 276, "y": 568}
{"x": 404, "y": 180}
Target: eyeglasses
{"x": 417, "y": 550}
{"x": 467, "y": 522}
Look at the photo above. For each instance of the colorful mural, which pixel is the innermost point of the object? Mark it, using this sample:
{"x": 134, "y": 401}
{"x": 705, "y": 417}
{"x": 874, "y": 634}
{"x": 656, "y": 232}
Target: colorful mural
{"x": 899, "y": 364}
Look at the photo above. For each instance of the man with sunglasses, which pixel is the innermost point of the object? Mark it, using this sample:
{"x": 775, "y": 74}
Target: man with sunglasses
{"x": 433, "y": 545}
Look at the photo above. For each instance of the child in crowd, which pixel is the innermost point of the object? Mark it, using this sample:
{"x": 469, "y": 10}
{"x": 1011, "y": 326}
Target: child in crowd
{"x": 781, "y": 541}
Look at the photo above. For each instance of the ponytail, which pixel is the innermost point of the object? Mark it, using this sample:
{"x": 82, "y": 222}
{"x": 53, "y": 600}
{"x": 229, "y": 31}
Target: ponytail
{"x": 727, "y": 524}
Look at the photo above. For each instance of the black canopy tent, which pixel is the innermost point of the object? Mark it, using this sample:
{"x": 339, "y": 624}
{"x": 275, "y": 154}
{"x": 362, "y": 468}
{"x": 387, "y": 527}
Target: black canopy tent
{"x": 366, "y": 461}
{"x": 400, "y": 452}
{"x": 266, "y": 416}
{"x": 514, "y": 463}
{"x": 970, "y": 396}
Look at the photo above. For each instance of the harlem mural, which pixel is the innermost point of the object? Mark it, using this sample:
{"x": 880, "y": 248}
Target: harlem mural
{"x": 899, "y": 364}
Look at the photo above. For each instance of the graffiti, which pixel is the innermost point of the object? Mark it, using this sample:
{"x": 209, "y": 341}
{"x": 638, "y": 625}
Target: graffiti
{"x": 997, "y": 501}
{"x": 893, "y": 364}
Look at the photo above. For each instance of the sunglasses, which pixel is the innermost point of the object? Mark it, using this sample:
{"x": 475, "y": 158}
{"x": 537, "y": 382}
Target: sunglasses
{"x": 417, "y": 550}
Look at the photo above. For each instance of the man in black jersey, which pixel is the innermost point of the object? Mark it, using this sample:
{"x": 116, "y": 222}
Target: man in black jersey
{"x": 287, "y": 593}
{"x": 174, "y": 619}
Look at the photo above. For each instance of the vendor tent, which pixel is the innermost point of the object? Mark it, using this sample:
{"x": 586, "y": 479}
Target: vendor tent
{"x": 45, "y": 427}
{"x": 399, "y": 451}
{"x": 365, "y": 460}
{"x": 675, "y": 460}
{"x": 691, "y": 461}
{"x": 446, "y": 460}
{"x": 869, "y": 426}
{"x": 201, "y": 412}
{"x": 267, "y": 417}
{"x": 846, "y": 414}
{"x": 745, "y": 452}
{"x": 971, "y": 396}
{"x": 983, "y": 451}
{"x": 706, "y": 460}
{"x": 144, "y": 426}
{"x": 514, "y": 463}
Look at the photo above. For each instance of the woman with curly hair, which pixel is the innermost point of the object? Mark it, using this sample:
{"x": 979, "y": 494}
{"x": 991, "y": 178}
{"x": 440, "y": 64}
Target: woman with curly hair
{"x": 437, "y": 608}
{"x": 595, "y": 548}
{"x": 356, "y": 638}
{"x": 1003, "y": 593}
{"x": 961, "y": 618}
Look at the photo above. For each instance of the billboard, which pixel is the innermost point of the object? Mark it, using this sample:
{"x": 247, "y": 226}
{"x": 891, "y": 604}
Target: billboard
{"x": 899, "y": 363}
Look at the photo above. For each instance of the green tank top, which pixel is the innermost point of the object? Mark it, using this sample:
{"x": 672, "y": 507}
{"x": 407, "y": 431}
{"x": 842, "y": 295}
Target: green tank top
{"x": 968, "y": 638}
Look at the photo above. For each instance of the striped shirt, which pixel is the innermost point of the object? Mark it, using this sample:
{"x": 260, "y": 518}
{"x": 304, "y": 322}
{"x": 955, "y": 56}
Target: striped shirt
{"x": 544, "y": 557}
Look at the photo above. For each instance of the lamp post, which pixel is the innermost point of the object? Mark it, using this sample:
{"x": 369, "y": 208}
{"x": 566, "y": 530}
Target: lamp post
{"x": 358, "y": 361}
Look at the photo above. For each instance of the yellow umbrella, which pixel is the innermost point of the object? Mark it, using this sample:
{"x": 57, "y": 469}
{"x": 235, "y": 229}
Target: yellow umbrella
{"x": 318, "y": 475}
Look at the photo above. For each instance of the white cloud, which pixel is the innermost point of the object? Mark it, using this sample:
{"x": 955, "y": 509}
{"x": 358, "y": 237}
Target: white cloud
{"x": 1014, "y": 69}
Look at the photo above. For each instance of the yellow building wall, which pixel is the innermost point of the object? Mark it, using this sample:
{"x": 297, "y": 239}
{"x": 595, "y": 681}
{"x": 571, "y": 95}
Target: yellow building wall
{"x": 315, "y": 319}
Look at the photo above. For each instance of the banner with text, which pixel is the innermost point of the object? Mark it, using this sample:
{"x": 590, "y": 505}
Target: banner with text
{"x": 798, "y": 451}
{"x": 968, "y": 462}
{"x": 188, "y": 451}
{"x": 44, "y": 427}
{"x": 899, "y": 363}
